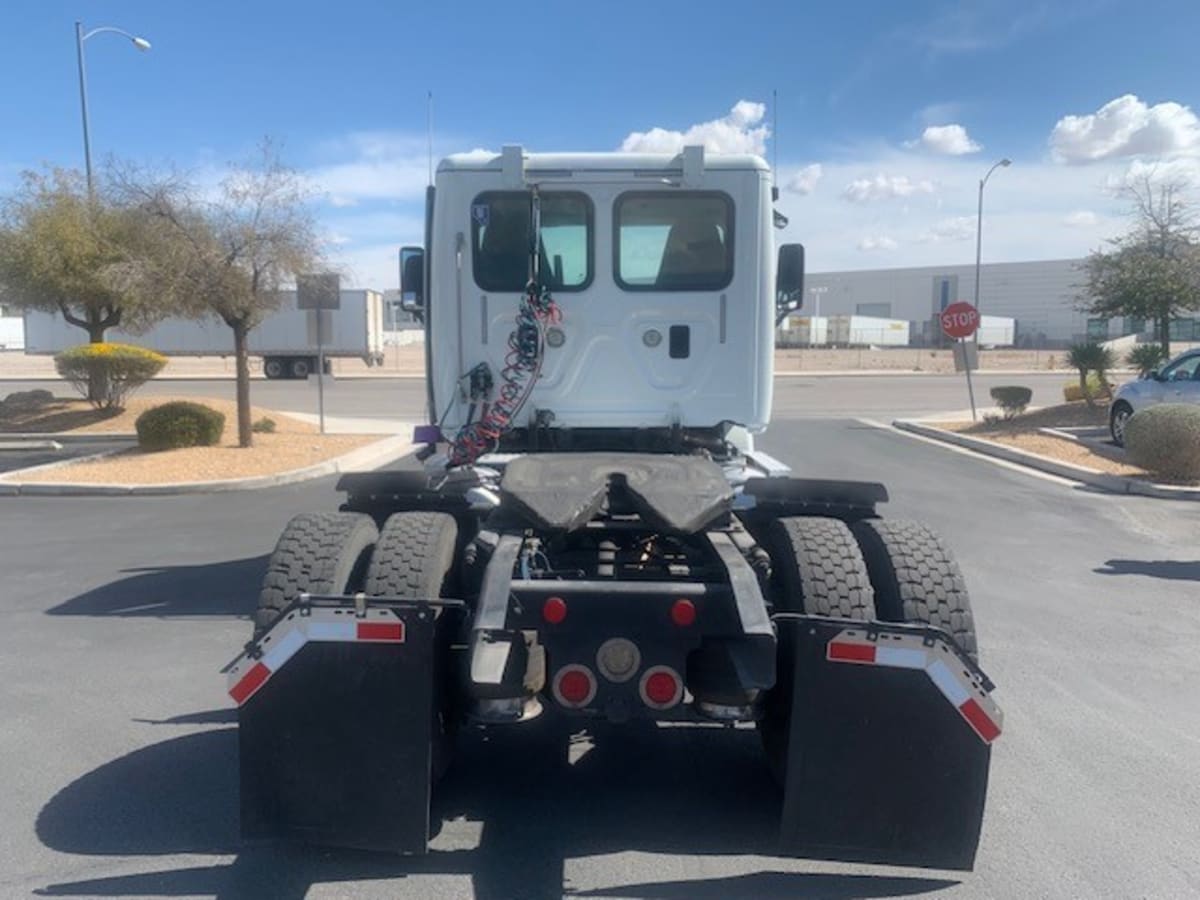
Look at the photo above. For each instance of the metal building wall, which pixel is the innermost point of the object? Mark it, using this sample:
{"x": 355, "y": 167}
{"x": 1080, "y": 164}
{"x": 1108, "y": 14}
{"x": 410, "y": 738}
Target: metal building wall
{"x": 1040, "y": 295}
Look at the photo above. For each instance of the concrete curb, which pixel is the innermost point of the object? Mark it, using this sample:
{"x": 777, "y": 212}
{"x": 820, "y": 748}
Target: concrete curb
{"x": 23, "y": 444}
{"x": 365, "y": 458}
{"x": 70, "y": 437}
{"x": 1115, "y": 484}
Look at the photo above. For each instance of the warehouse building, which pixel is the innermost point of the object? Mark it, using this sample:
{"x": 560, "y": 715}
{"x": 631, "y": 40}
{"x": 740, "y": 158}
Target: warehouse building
{"x": 1043, "y": 297}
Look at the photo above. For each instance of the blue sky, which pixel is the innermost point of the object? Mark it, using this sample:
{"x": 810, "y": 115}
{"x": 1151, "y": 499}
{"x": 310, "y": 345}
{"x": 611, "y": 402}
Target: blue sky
{"x": 343, "y": 86}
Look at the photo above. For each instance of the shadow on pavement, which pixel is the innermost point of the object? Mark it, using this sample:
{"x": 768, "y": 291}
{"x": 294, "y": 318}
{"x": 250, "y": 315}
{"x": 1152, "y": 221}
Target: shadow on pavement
{"x": 1170, "y": 569}
{"x": 210, "y": 589}
{"x": 676, "y": 791}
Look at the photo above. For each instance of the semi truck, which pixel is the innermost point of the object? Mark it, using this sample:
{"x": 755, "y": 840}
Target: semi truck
{"x": 286, "y": 340}
{"x": 590, "y": 531}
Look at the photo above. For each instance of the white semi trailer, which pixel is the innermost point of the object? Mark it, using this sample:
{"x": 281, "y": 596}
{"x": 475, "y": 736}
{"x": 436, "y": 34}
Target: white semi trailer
{"x": 286, "y": 340}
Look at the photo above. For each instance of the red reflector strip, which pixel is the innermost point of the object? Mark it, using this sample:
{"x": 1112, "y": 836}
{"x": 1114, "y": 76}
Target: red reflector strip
{"x": 380, "y": 631}
{"x": 249, "y": 683}
{"x": 984, "y": 726}
{"x": 842, "y": 652}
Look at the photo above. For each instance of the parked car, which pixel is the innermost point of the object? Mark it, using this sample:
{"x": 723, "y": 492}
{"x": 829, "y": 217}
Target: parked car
{"x": 1176, "y": 382}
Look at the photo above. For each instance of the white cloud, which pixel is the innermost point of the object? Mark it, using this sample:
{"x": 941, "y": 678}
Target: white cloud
{"x": 950, "y": 140}
{"x": 804, "y": 180}
{"x": 958, "y": 228}
{"x": 879, "y": 242}
{"x": 1124, "y": 127}
{"x": 1080, "y": 218}
{"x": 741, "y": 131}
{"x": 885, "y": 187}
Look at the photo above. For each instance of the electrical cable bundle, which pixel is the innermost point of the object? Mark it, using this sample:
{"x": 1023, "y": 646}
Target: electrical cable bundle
{"x": 522, "y": 367}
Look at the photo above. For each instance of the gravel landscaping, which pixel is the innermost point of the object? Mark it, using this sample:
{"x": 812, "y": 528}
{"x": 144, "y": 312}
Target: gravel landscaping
{"x": 294, "y": 445}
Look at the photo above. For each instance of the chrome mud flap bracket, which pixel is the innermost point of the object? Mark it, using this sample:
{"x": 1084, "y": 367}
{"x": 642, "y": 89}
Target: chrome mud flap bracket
{"x": 335, "y": 720}
{"x": 889, "y": 745}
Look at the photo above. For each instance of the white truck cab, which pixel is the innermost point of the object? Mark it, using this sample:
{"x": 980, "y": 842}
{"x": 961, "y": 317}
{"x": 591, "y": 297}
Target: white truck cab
{"x": 661, "y": 268}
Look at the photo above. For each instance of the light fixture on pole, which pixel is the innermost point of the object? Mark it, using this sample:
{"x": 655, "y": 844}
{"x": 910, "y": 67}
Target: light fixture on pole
{"x": 80, "y": 37}
{"x": 1004, "y": 163}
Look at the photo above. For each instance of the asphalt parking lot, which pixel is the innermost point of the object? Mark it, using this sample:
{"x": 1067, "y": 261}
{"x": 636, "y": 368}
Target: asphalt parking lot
{"x": 120, "y": 752}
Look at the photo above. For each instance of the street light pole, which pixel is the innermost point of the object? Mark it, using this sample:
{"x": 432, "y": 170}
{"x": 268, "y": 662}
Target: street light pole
{"x": 80, "y": 37}
{"x": 979, "y": 225}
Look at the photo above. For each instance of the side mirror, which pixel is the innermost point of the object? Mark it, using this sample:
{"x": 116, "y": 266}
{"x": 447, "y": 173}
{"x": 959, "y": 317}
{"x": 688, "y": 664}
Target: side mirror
{"x": 1153, "y": 375}
{"x": 789, "y": 281}
{"x": 412, "y": 281}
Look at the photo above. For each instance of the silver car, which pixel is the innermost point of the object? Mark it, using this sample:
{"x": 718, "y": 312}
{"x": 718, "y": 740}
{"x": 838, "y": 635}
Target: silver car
{"x": 1176, "y": 382}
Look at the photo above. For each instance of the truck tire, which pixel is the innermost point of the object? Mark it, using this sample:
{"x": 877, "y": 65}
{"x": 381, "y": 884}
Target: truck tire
{"x": 301, "y": 367}
{"x": 916, "y": 579}
{"x": 414, "y": 556}
{"x": 273, "y": 367}
{"x": 318, "y": 553}
{"x": 817, "y": 569}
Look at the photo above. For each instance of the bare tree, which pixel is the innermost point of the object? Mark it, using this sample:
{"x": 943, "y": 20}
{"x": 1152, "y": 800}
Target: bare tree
{"x": 233, "y": 251}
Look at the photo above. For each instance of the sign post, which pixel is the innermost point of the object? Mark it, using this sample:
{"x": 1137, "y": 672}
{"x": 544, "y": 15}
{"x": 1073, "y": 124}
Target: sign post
{"x": 319, "y": 293}
{"x": 960, "y": 321}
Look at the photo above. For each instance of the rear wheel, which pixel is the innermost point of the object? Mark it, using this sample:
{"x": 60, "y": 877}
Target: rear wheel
{"x": 1117, "y": 420}
{"x": 414, "y": 559}
{"x": 916, "y": 579}
{"x": 816, "y": 569}
{"x": 273, "y": 367}
{"x": 318, "y": 553}
{"x": 301, "y": 367}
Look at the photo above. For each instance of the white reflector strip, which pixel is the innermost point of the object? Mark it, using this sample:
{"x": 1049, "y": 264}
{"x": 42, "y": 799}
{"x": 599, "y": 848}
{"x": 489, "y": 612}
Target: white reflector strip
{"x": 940, "y": 674}
{"x": 247, "y": 674}
{"x": 903, "y": 651}
{"x": 283, "y": 649}
{"x": 900, "y": 658}
{"x": 341, "y": 629}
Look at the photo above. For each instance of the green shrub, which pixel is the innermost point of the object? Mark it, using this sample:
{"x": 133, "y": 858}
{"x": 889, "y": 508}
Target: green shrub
{"x": 179, "y": 424}
{"x": 26, "y": 401}
{"x": 265, "y": 425}
{"x": 1012, "y": 399}
{"x": 107, "y": 373}
{"x": 1072, "y": 391}
{"x": 1165, "y": 441}
{"x": 1146, "y": 358}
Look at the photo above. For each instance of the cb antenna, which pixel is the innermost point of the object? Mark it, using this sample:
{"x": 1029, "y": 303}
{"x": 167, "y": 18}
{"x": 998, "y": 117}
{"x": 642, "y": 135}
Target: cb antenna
{"x": 429, "y": 133}
{"x": 775, "y": 142}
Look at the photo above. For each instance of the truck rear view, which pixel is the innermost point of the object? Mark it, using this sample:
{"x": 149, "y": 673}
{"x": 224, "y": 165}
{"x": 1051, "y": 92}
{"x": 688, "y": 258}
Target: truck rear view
{"x": 592, "y": 533}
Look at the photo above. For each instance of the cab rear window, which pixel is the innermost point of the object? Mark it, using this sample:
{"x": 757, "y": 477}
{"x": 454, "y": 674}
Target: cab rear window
{"x": 676, "y": 241}
{"x": 500, "y": 239}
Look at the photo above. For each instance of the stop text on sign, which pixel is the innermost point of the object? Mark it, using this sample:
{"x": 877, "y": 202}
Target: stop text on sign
{"x": 959, "y": 320}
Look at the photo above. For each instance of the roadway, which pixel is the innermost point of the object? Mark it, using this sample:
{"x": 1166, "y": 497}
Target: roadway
{"x": 895, "y": 395}
{"x": 120, "y": 755}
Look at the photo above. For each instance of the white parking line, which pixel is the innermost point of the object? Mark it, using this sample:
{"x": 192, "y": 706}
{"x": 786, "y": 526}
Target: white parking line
{"x": 983, "y": 457}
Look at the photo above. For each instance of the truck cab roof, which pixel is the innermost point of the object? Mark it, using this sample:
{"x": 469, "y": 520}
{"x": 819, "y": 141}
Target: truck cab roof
{"x": 488, "y": 161}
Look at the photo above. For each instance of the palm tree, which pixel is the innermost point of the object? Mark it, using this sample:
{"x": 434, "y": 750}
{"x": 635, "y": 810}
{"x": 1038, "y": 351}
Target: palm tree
{"x": 1087, "y": 358}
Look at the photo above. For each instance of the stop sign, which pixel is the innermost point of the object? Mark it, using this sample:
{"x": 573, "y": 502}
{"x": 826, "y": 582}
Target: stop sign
{"x": 959, "y": 320}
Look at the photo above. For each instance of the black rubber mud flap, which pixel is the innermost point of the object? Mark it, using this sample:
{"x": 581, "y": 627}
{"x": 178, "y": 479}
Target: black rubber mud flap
{"x": 883, "y": 765}
{"x": 335, "y": 744}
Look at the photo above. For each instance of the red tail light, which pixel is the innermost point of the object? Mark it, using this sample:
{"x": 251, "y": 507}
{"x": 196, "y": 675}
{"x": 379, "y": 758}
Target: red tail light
{"x": 661, "y": 687}
{"x": 683, "y": 612}
{"x": 554, "y": 610}
{"x": 574, "y": 686}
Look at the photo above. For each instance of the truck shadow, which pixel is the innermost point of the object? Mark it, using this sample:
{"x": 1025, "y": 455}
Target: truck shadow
{"x": 671, "y": 791}
{"x": 1169, "y": 569}
{"x": 210, "y": 589}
